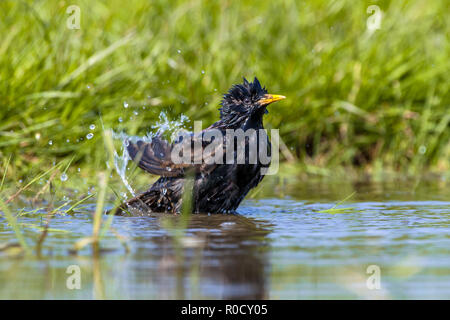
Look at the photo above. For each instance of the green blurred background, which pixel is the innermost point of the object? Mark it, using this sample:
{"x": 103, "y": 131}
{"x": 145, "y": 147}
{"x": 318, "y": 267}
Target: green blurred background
{"x": 377, "y": 100}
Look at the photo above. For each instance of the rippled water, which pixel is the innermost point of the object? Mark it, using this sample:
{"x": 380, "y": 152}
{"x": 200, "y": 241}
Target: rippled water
{"x": 282, "y": 245}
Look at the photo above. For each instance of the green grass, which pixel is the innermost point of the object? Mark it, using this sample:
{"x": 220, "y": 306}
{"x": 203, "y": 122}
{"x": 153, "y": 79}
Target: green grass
{"x": 335, "y": 209}
{"x": 100, "y": 224}
{"x": 377, "y": 101}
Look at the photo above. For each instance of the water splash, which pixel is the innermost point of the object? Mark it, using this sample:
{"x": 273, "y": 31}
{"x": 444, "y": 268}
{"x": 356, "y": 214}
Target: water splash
{"x": 169, "y": 129}
{"x": 121, "y": 162}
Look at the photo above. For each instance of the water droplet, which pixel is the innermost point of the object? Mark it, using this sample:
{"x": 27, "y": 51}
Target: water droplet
{"x": 203, "y": 71}
{"x": 64, "y": 177}
{"x": 179, "y": 51}
{"x": 422, "y": 149}
{"x": 120, "y": 119}
{"x": 50, "y": 142}
{"x": 227, "y": 224}
{"x": 135, "y": 112}
{"x": 89, "y": 136}
{"x": 125, "y": 104}
{"x": 20, "y": 181}
{"x": 88, "y": 86}
{"x": 68, "y": 140}
{"x": 79, "y": 169}
{"x": 92, "y": 126}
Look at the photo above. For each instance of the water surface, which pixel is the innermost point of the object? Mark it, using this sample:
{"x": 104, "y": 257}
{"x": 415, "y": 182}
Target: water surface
{"x": 282, "y": 245}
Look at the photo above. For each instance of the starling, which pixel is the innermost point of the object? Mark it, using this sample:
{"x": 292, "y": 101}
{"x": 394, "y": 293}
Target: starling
{"x": 221, "y": 168}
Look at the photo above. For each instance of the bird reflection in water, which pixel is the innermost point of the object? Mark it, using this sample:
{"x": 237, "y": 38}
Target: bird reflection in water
{"x": 217, "y": 257}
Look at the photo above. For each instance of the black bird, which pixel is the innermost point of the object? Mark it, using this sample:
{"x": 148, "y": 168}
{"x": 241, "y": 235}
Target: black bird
{"x": 217, "y": 186}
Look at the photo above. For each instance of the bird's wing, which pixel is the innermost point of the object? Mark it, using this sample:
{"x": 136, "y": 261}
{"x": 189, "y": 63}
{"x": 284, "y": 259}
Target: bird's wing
{"x": 156, "y": 157}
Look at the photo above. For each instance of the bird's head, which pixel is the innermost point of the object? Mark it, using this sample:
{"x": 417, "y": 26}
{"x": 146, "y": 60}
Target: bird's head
{"x": 247, "y": 99}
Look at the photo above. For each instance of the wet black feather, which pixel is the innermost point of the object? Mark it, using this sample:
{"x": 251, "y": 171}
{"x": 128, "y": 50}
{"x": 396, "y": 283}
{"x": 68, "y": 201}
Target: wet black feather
{"x": 217, "y": 187}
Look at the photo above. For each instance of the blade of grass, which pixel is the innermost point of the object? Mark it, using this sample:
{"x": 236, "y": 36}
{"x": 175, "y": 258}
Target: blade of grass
{"x": 76, "y": 204}
{"x": 12, "y": 221}
{"x": 4, "y": 173}
{"x": 31, "y": 182}
{"x": 334, "y": 209}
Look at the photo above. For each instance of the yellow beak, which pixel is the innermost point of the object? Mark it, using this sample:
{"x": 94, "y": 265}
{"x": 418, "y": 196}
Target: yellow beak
{"x": 269, "y": 98}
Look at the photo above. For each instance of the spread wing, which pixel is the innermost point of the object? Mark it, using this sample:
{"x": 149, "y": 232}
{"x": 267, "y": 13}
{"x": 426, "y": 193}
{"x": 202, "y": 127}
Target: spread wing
{"x": 159, "y": 157}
